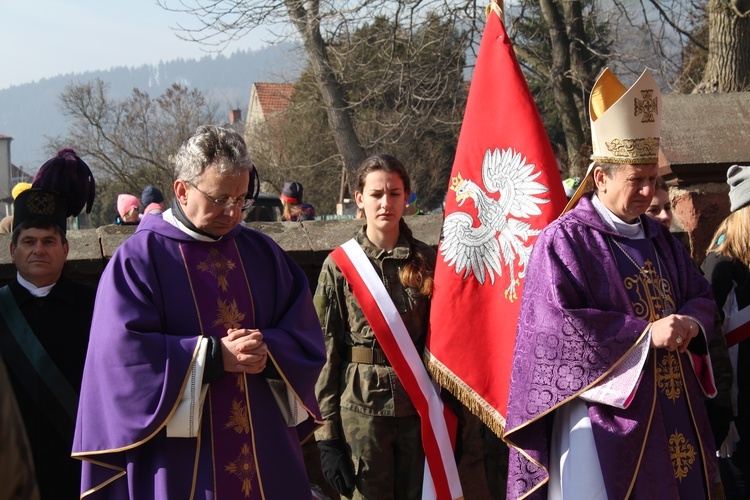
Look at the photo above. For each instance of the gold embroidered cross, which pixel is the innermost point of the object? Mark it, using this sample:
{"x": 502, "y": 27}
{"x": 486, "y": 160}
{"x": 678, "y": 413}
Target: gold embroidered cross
{"x": 648, "y": 106}
{"x": 244, "y": 468}
{"x": 218, "y": 266}
{"x": 668, "y": 377}
{"x": 682, "y": 453}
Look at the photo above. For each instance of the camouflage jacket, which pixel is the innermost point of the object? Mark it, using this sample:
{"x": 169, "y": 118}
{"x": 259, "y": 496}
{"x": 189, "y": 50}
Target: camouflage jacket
{"x": 369, "y": 389}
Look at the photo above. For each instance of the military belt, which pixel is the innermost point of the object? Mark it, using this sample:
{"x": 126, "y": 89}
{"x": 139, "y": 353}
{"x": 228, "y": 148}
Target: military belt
{"x": 367, "y": 355}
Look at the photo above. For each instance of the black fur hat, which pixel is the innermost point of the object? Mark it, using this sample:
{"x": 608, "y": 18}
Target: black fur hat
{"x": 62, "y": 188}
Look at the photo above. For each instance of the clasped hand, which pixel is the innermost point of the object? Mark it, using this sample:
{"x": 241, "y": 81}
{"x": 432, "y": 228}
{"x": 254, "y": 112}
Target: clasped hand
{"x": 243, "y": 350}
{"x": 674, "y": 332}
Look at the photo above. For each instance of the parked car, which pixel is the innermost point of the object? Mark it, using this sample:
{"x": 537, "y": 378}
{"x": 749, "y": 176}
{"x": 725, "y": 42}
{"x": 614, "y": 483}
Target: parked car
{"x": 267, "y": 208}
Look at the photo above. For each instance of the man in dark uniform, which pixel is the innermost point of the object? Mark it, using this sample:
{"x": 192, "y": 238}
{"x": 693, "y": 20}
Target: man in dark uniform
{"x": 44, "y": 326}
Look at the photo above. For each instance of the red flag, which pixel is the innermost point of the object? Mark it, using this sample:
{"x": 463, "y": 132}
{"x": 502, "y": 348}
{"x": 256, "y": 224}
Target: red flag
{"x": 504, "y": 188}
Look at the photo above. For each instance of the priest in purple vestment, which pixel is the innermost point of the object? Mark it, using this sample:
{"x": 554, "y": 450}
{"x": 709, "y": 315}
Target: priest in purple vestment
{"x": 205, "y": 348}
{"x": 610, "y": 366}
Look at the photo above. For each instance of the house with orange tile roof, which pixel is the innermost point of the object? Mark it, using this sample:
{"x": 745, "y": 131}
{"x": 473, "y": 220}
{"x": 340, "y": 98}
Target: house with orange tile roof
{"x": 266, "y": 100}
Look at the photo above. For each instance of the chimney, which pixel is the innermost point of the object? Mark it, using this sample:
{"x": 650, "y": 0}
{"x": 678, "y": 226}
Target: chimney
{"x": 235, "y": 116}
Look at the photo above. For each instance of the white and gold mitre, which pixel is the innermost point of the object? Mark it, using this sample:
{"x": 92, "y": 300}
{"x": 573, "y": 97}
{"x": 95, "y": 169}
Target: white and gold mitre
{"x": 625, "y": 123}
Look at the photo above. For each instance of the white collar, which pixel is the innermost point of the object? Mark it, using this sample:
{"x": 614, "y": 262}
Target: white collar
{"x": 169, "y": 217}
{"x": 632, "y": 231}
{"x": 34, "y": 290}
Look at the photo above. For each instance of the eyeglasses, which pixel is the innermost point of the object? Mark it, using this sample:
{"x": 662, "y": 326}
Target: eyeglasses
{"x": 226, "y": 203}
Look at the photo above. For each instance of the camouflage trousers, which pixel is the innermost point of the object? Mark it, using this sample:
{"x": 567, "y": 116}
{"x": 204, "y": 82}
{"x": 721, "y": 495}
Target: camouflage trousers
{"x": 387, "y": 455}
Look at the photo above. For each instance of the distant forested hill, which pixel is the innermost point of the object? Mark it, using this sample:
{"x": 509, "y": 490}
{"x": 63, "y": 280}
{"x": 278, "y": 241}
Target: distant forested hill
{"x": 30, "y": 113}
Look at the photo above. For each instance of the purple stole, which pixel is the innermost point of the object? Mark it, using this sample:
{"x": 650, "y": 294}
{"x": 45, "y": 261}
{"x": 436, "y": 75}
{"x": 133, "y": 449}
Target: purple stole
{"x": 652, "y": 298}
{"x": 223, "y": 300}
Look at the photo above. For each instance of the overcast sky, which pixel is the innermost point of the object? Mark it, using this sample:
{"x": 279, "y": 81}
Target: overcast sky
{"x": 45, "y": 38}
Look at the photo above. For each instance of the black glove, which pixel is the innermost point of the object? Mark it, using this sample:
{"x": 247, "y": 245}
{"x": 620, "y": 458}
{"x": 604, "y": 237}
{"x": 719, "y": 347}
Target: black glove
{"x": 458, "y": 450}
{"x": 337, "y": 466}
{"x": 458, "y": 410}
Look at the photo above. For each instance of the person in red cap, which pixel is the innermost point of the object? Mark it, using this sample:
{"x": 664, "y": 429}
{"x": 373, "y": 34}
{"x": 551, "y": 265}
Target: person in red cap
{"x": 294, "y": 209}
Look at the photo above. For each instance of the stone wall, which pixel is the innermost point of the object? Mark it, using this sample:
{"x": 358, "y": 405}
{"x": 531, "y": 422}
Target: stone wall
{"x": 308, "y": 243}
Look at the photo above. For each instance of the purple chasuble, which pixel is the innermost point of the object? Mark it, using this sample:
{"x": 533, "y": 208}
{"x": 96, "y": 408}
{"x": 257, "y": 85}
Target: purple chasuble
{"x": 579, "y": 318}
{"x": 158, "y": 295}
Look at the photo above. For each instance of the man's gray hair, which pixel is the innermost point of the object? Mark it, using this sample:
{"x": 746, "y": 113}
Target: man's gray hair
{"x": 609, "y": 169}
{"x": 211, "y": 146}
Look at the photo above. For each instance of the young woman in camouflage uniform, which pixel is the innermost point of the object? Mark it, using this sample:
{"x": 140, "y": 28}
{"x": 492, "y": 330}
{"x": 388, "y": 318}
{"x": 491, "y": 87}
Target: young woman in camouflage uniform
{"x": 370, "y": 444}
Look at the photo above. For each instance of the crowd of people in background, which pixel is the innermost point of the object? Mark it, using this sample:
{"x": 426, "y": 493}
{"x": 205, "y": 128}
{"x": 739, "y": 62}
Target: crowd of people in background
{"x": 131, "y": 210}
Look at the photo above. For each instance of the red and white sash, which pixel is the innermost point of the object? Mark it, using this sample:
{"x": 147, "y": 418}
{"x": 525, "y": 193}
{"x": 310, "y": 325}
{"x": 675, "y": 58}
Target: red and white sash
{"x": 394, "y": 339}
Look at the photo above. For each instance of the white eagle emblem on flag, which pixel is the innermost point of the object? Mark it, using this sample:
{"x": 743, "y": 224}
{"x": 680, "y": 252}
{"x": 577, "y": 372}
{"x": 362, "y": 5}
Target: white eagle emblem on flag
{"x": 478, "y": 249}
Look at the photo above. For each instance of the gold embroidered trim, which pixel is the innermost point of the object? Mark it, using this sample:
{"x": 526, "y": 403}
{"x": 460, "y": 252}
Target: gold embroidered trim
{"x": 704, "y": 462}
{"x": 245, "y": 274}
{"x": 625, "y": 161}
{"x": 121, "y": 473}
{"x": 627, "y": 149}
{"x": 211, "y": 434}
{"x": 645, "y": 435}
{"x": 81, "y": 454}
{"x": 252, "y": 435}
{"x": 196, "y": 464}
{"x": 486, "y": 413}
{"x": 290, "y": 388}
{"x": 243, "y": 466}
{"x": 540, "y": 466}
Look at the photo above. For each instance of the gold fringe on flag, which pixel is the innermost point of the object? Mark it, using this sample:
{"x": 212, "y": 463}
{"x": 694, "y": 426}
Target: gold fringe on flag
{"x": 468, "y": 397}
